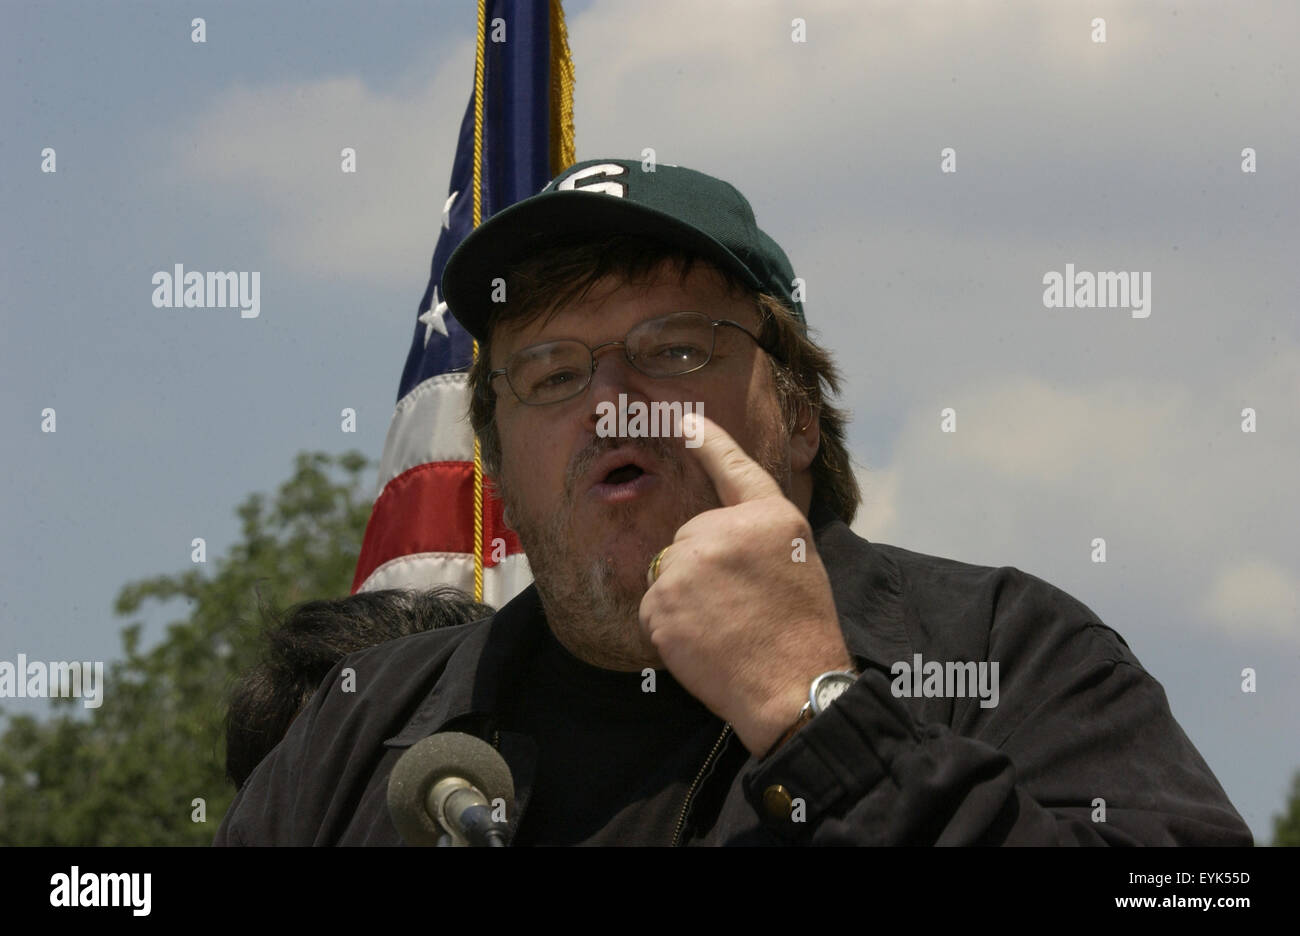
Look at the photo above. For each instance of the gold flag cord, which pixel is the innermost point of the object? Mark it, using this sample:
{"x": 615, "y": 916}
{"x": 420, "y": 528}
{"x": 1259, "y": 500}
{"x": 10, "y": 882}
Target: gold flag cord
{"x": 478, "y": 208}
{"x": 561, "y": 155}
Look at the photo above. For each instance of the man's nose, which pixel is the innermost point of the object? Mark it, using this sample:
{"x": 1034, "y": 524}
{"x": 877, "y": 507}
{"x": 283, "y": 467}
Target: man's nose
{"x": 613, "y": 376}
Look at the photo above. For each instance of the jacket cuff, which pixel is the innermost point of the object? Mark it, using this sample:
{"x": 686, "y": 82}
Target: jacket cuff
{"x": 834, "y": 760}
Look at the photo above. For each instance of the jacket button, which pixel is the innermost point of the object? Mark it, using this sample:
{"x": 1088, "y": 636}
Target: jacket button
{"x": 776, "y": 802}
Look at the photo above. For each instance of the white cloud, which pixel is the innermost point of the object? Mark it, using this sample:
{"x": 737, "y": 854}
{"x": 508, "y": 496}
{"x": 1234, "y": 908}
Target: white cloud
{"x": 278, "y": 149}
{"x": 722, "y": 84}
{"x": 877, "y": 518}
{"x": 1256, "y": 596}
{"x": 1037, "y": 469}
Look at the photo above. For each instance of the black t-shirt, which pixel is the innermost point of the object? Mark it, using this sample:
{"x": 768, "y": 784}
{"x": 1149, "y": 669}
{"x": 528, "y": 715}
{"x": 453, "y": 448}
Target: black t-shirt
{"x": 615, "y": 761}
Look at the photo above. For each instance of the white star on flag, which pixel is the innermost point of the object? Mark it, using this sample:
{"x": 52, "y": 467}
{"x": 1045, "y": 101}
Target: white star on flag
{"x": 446, "y": 211}
{"x": 432, "y": 319}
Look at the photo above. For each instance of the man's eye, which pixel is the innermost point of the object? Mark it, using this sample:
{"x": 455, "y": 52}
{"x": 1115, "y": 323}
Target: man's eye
{"x": 555, "y": 379}
{"x": 677, "y": 352}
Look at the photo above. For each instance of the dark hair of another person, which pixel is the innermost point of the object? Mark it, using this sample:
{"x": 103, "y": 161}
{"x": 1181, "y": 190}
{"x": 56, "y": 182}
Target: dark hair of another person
{"x": 305, "y": 642}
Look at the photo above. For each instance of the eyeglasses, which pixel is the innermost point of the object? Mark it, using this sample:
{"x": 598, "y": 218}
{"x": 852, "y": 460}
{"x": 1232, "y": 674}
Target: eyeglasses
{"x": 668, "y": 346}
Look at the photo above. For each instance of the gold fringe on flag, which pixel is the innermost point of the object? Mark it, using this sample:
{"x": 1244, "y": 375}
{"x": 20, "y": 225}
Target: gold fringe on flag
{"x": 562, "y": 145}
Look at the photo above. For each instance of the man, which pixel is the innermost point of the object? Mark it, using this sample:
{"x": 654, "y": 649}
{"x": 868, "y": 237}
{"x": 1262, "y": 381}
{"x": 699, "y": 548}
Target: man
{"x": 708, "y": 654}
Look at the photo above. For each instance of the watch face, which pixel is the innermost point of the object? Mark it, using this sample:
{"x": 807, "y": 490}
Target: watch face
{"x": 829, "y": 688}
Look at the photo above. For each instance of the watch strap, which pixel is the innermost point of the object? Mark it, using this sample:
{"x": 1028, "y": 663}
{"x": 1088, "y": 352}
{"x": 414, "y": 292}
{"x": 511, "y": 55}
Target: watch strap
{"x": 805, "y": 716}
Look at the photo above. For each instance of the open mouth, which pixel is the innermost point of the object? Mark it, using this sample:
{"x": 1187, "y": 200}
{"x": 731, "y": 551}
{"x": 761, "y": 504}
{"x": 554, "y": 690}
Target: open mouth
{"x": 623, "y": 474}
{"x": 623, "y": 482}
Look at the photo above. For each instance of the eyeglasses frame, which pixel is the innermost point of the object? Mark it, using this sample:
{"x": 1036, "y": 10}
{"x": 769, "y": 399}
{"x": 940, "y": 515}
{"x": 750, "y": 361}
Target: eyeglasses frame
{"x": 593, "y": 351}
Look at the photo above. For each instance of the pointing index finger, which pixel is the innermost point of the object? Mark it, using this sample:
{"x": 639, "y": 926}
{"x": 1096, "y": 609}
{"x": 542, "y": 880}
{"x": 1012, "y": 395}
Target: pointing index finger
{"x": 736, "y": 476}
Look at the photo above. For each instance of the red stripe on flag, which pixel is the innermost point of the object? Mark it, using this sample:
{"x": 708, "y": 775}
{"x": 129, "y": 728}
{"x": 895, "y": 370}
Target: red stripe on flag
{"x": 429, "y": 508}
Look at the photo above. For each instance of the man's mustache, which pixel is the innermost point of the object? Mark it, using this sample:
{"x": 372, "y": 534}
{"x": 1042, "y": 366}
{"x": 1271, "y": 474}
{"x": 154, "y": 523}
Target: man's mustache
{"x": 662, "y": 449}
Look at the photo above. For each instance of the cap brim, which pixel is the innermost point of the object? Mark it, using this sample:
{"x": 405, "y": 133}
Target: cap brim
{"x": 530, "y": 225}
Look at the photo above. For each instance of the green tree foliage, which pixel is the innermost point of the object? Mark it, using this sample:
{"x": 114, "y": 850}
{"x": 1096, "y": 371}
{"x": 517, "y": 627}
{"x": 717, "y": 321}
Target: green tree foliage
{"x": 127, "y": 772}
{"x": 1286, "y": 826}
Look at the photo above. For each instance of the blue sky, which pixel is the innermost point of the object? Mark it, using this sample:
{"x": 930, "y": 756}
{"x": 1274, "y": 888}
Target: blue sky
{"x": 1072, "y": 423}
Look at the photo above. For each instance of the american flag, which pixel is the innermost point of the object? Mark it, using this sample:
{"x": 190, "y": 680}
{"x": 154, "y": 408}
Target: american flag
{"x": 421, "y": 531}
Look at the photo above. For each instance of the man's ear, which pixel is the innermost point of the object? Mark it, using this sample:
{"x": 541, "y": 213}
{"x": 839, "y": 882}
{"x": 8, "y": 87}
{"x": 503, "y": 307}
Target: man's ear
{"x": 494, "y": 485}
{"x": 806, "y": 438}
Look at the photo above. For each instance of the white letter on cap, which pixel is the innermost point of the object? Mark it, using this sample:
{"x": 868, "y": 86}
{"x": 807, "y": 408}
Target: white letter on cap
{"x": 617, "y": 189}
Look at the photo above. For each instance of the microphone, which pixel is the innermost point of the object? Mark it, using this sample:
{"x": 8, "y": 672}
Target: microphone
{"x": 451, "y": 789}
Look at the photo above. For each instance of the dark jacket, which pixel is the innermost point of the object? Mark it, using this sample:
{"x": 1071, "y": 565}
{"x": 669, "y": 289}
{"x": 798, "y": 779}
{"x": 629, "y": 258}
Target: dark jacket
{"x": 1081, "y": 747}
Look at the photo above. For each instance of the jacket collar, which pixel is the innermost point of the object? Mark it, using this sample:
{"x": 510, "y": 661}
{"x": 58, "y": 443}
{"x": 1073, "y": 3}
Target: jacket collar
{"x": 478, "y": 669}
{"x": 868, "y": 589}
{"x": 866, "y": 584}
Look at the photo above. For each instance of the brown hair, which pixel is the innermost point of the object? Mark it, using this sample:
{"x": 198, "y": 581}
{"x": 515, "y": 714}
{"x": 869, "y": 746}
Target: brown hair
{"x": 804, "y": 373}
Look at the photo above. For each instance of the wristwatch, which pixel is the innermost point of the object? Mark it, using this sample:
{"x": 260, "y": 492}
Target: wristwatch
{"x": 825, "y": 689}
{"x": 828, "y": 687}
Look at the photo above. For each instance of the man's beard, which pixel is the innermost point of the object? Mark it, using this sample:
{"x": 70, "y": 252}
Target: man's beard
{"x": 591, "y": 604}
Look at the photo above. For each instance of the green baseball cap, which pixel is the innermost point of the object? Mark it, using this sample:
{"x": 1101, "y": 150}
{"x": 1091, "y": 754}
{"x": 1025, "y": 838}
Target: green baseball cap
{"x": 679, "y": 206}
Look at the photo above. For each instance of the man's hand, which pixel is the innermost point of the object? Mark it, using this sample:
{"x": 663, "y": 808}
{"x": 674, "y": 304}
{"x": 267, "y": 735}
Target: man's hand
{"x": 740, "y": 615}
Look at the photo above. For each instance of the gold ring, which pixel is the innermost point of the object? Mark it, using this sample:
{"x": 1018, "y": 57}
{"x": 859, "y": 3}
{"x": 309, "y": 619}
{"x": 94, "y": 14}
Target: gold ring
{"x": 653, "y": 575}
